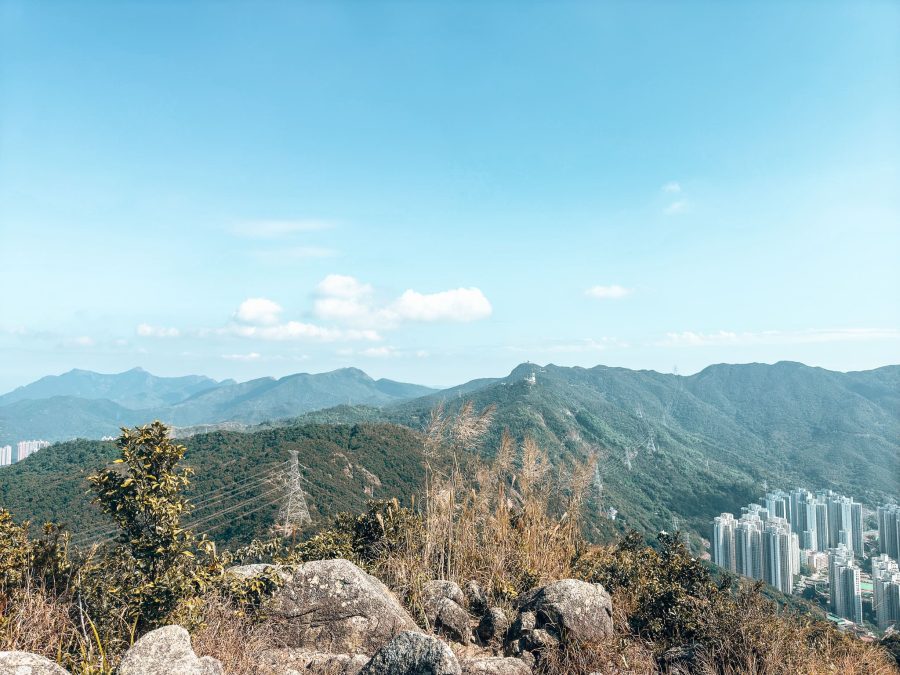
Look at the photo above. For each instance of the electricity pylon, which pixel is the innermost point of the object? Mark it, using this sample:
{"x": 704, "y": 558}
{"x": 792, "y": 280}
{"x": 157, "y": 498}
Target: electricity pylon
{"x": 294, "y": 512}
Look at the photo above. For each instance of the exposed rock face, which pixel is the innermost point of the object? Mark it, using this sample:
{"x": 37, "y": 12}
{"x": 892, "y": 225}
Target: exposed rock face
{"x": 434, "y": 590}
{"x": 333, "y": 606}
{"x": 493, "y": 626}
{"x": 495, "y": 665}
{"x": 443, "y": 603}
{"x": 24, "y": 663}
{"x": 167, "y": 651}
{"x": 476, "y": 597}
{"x": 569, "y": 610}
{"x": 295, "y": 662}
{"x": 413, "y": 654}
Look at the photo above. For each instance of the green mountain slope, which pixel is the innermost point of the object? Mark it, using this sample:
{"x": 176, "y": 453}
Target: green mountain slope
{"x": 682, "y": 449}
{"x": 136, "y": 388}
{"x": 237, "y": 481}
{"x": 689, "y": 447}
{"x": 63, "y": 417}
{"x": 99, "y": 404}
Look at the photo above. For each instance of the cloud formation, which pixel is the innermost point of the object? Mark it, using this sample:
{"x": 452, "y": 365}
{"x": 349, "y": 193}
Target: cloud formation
{"x": 146, "y": 330}
{"x": 252, "y": 356}
{"x": 613, "y": 292}
{"x": 672, "y": 187}
{"x": 277, "y": 229}
{"x": 347, "y": 300}
{"x": 258, "y": 312}
{"x": 775, "y": 337}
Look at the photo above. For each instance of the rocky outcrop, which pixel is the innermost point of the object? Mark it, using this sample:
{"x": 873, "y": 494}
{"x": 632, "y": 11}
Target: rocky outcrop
{"x": 295, "y": 662}
{"x": 559, "y": 613}
{"x": 25, "y": 663}
{"x": 167, "y": 651}
{"x": 444, "y": 604}
{"x": 495, "y": 665}
{"x": 493, "y": 626}
{"x": 570, "y": 610}
{"x": 413, "y": 654}
{"x": 476, "y": 597}
{"x": 437, "y": 589}
{"x": 332, "y": 606}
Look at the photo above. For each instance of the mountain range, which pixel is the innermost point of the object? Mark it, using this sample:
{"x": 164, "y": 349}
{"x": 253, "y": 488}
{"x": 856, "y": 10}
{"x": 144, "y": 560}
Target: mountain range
{"x": 671, "y": 451}
{"x": 82, "y": 403}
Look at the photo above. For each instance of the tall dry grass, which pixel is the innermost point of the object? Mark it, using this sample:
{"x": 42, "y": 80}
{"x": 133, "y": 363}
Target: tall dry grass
{"x": 509, "y": 524}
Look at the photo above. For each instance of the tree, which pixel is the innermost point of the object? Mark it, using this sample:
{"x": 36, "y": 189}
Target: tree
{"x": 143, "y": 493}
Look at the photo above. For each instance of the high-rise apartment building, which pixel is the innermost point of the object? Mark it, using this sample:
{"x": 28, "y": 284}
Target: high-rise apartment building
{"x": 889, "y": 530}
{"x": 886, "y": 591}
{"x": 844, "y": 521}
{"x": 27, "y": 448}
{"x": 6, "y": 457}
{"x": 781, "y": 554}
{"x": 803, "y": 519}
{"x": 757, "y": 545}
{"x": 723, "y": 543}
{"x": 844, "y": 584}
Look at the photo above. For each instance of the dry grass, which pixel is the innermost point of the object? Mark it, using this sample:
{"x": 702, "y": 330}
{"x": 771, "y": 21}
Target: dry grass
{"x": 497, "y": 523}
{"x": 31, "y": 621}
{"x": 230, "y": 636}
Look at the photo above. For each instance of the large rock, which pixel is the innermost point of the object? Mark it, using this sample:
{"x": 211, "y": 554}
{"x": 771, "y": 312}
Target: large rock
{"x": 476, "y": 597}
{"x": 570, "y": 610}
{"x": 437, "y": 589}
{"x": 167, "y": 651}
{"x": 444, "y": 603}
{"x": 25, "y": 663}
{"x": 333, "y": 606}
{"x": 413, "y": 654}
{"x": 495, "y": 665}
{"x": 297, "y": 662}
{"x": 493, "y": 626}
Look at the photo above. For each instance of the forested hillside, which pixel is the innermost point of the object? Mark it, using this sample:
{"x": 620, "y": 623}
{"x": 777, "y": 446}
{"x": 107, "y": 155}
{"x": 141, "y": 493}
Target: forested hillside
{"x": 238, "y": 480}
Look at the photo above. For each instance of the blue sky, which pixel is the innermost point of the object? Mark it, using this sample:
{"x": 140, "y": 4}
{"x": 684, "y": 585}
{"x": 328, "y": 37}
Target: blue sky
{"x": 439, "y": 191}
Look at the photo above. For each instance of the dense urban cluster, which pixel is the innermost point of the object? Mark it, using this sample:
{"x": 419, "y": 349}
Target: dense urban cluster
{"x": 801, "y": 540}
{"x": 10, "y": 455}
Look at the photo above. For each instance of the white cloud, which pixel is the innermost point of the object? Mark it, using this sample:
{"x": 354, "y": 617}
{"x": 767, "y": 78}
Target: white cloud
{"x": 677, "y": 207}
{"x": 614, "y": 292}
{"x": 777, "y": 337}
{"x": 297, "y": 330}
{"x": 287, "y": 254}
{"x": 460, "y": 304}
{"x": 252, "y": 356}
{"x": 258, "y": 312}
{"x": 347, "y": 300}
{"x": 343, "y": 286}
{"x": 146, "y": 330}
{"x": 81, "y": 341}
{"x": 672, "y": 188}
{"x": 276, "y": 229}
{"x": 378, "y": 352}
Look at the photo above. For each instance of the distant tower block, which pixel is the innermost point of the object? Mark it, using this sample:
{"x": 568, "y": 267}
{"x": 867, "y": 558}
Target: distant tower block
{"x": 294, "y": 512}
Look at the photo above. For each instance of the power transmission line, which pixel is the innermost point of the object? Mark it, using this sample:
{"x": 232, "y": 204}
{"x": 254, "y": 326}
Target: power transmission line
{"x": 294, "y": 513}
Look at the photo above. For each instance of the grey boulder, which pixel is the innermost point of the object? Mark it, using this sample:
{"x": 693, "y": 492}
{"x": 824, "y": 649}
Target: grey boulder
{"x": 25, "y": 663}
{"x": 570, "y": 610}
{"x": 333, "y": 606}
{"x": 295, "y": 662}
{"x": 493, "y": 626}
{"x": 495, "y": 665}
{"x": 413, "y": 654}
{"x": 166, "y": 651}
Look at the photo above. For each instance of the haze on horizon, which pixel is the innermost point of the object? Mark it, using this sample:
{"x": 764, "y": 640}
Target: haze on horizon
{"x": 434, "y": 193}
